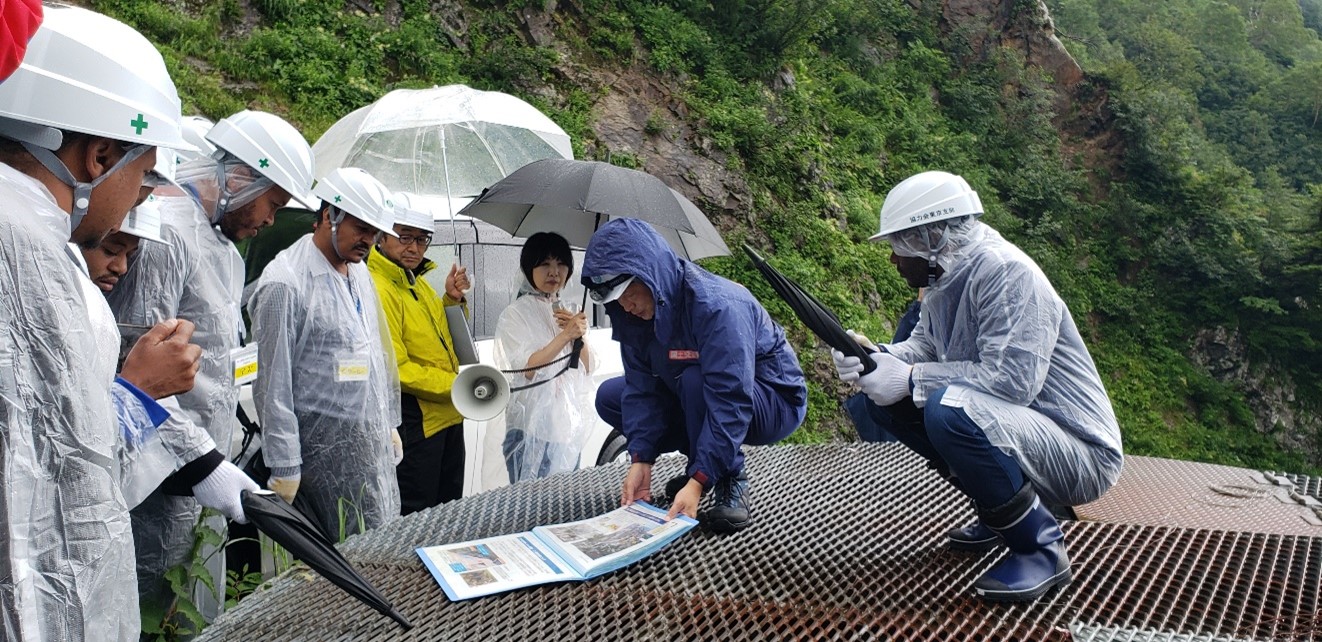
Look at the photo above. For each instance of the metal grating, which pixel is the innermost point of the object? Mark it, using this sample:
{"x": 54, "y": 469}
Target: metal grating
{"x": 1311, "y": 486}
{"x": 1165, "y": 492}
{"x": 845, "y": 546}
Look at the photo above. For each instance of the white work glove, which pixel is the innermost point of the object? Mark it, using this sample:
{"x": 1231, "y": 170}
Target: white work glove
{"x": 847, "y": 368}
{"x": 285, "y": 487}
{"x": 222, "y": 490}
{"x": 862, "y": 340}
{"x": 396, "y": 445}
{"x": 887, "y": 384}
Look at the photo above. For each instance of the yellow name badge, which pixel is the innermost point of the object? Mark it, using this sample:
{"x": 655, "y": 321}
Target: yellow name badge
{"x": 245, "y": 364}
{"x": 352, "y": 369}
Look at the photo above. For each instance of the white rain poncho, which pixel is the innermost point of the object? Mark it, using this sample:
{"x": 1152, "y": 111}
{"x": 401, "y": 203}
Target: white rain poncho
{"x": 148, "y": 453}
{"x": 197, "y": 275}
{"x": 994, "y": 330}
{"x": 546, "y": 424}
{"x": 67, "y": 548}
{"x": 325, "y": 397}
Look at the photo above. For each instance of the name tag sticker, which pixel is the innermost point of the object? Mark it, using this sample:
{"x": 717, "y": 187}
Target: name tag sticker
{"x": 352, "y": 368}
{"x": 245, "y": 364}
{"x": 683, "y": 355}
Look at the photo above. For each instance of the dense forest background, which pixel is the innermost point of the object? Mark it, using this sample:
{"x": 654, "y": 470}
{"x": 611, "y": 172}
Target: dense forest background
{"x": 1168, "y": 182}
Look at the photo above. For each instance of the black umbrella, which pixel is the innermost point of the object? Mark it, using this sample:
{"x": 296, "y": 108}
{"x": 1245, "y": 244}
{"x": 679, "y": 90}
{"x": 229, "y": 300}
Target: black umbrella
{"x": 819, "y": 318}
{"x": 289, "y": 528}
{"x": 573, "y": 198}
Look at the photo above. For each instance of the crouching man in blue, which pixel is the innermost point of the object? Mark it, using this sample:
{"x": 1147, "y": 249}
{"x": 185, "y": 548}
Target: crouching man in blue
{"x": 994, "y": 387}
{"x": 706, "y": 371}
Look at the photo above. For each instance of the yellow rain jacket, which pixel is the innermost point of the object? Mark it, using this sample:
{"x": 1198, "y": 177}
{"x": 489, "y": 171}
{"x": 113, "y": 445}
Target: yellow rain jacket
{"x": 421, "y": 335}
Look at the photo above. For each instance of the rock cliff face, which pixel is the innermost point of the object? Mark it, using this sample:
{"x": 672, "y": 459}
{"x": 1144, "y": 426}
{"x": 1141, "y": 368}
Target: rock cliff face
{"x": 641, "y": 115}
{"x": 1269, "y": 393}
{"x": 975, "y": 28}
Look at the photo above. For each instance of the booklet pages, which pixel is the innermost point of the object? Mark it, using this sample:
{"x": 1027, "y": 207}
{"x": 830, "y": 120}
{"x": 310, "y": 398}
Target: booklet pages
{"x": 570, "y": 551}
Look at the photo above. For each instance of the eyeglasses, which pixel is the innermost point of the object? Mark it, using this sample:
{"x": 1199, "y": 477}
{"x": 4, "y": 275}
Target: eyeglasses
{"x": 423, "y": 240}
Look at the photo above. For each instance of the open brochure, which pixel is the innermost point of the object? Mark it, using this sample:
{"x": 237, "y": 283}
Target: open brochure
{"x": 570, "y": 551}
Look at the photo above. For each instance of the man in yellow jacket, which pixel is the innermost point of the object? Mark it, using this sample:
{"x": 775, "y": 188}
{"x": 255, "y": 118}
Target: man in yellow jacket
{"x": 432, "y": 470}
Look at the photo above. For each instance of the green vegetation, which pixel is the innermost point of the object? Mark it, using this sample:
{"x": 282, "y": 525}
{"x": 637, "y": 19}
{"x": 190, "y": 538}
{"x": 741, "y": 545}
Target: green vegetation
{"x": 1205, "y": 216}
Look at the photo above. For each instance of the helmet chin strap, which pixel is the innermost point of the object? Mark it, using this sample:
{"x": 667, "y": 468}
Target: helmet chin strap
{"x": 335, "y": 216}
{"x": 82, "y": 192}
{"x": 933, "y": 253}
{"x": 223, "y": 194}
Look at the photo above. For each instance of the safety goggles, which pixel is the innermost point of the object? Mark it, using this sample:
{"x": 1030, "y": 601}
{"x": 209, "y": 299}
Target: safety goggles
{"x": 606, "y": 288}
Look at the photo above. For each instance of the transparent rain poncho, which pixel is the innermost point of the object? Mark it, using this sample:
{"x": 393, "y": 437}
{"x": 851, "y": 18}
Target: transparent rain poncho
{"x": 545, "y": 425}
{"x": 196, "y": 275}
{"x": 328, "y": 393}
{"x": 68, "y": 556}
{"x": 994, "y": 330}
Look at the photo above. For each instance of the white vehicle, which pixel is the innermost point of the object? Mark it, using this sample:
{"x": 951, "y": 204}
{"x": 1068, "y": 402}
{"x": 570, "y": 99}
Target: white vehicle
{"x": 492, "y": 258}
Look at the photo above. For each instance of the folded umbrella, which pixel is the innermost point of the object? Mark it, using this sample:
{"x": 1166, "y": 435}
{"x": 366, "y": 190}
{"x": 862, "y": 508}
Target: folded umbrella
{"x": 289, "y": 528}
{"x": 816, "y": 316}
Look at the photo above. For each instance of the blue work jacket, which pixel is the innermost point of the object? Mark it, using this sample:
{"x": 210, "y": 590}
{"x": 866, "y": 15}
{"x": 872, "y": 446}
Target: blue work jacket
{"x": 700, "y": 320}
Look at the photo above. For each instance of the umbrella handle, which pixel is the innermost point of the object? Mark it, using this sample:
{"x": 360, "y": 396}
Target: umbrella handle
{"x": 575, "y": 351}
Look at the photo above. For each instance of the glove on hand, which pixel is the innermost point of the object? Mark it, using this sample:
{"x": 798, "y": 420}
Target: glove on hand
{"x": 862, "y": 340}
{"x": 285, "y": 487}
{"x": 887, "y": 384}
{"x": 396, "y": 445}
{"x": 221, "y": 490}
{"x": 847, "y": 368}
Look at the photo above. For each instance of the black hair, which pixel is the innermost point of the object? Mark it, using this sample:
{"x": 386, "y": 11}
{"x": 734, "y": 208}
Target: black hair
{"x": 542, "y": 246}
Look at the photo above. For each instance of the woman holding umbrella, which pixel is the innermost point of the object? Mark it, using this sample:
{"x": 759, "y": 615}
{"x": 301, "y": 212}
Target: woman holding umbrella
{"x": 547, "y": 421}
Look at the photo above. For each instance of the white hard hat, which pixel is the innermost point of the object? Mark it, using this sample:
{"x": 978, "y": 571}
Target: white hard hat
{"x": 92, "y": 74}
{"x": 195, "y": 130}
{"x": 410, "y": 211}
{"x": 926, "y": 198}
{"x": 144, "y": 221}
{"x": 355, "y": 192}
{"x": 271, "y": 146}
{"x": 167, "y": 163}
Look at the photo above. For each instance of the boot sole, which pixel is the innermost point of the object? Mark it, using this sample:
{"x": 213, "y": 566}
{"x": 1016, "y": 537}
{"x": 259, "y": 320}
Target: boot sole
{"x": 1062, "y": 578}
{"x": 724, "y": 525}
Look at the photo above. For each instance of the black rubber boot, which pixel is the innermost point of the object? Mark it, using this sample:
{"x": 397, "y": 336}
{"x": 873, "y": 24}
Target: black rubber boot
{"x": 974, "y": 537}
{"x": 731, "y": 509}
{"x": 1037, "y": 560}
{"x": 676, "y": 484}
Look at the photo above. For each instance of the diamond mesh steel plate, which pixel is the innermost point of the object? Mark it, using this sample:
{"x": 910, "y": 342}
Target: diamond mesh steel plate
{"x": 1165, "y": 492}
{"x": 845, "y": 546}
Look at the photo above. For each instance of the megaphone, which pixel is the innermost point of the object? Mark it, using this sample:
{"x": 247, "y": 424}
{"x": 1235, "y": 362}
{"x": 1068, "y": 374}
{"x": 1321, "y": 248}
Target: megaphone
{"x": 480, "y": 392}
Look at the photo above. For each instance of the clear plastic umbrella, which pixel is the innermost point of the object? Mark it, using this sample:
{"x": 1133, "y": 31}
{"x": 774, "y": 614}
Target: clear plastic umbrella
{"x": 446, "y": 142}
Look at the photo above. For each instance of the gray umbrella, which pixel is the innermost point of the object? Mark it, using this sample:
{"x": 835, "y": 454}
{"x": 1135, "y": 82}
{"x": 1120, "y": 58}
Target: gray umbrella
{"x": 573, "y": 198}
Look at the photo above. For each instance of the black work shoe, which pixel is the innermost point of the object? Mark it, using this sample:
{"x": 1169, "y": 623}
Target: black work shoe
{"x": 731, "y": 507}
{"x": 676, "y": 484}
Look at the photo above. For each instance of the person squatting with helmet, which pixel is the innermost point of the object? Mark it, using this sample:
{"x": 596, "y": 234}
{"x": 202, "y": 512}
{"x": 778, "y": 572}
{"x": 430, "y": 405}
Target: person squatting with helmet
{"x": 80, "y": 121}
{"x": 432, "y": 431}
{"x": 328, "y": 395}
{"x": 994, "y": 387}
{"x": 706, "y": 371}
{"x": 258, "y": 163}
